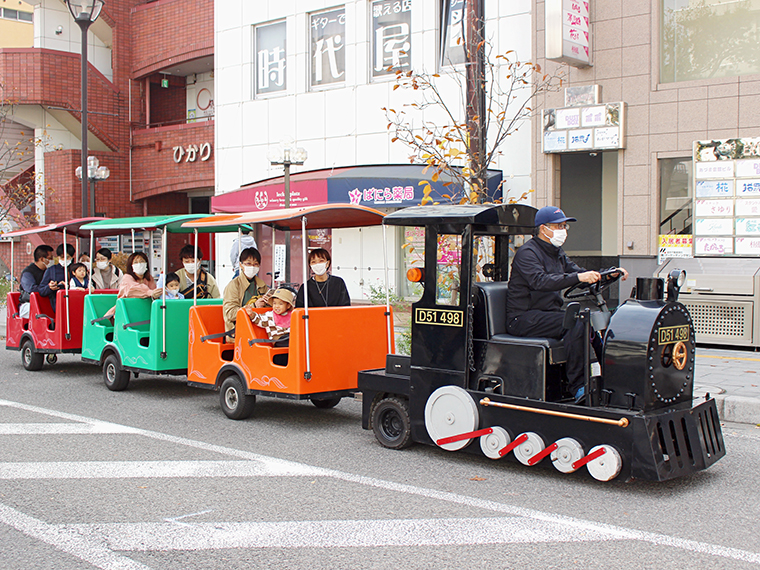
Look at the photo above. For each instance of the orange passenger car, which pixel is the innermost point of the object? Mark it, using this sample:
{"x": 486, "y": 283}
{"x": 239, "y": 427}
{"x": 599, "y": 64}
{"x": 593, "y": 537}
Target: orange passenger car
{"x": 327, "y": 346}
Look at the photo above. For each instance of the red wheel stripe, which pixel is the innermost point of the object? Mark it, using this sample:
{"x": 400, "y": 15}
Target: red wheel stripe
{"x": 461, "y": 436}
{"x": 590, "y": 457}
{"x": 520, "y": 440}
{"x": 541, "y": 454}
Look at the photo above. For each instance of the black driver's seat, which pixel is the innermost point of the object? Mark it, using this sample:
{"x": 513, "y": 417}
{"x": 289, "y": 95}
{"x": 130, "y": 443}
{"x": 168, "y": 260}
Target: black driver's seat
{"x": 490, "y": 322}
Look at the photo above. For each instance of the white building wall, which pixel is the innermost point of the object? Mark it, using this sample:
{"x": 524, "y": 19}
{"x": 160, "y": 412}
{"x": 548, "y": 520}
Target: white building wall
{"x": 343, "y": 125}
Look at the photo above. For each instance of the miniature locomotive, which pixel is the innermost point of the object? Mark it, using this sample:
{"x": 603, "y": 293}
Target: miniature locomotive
{"x": 468, "y": 385}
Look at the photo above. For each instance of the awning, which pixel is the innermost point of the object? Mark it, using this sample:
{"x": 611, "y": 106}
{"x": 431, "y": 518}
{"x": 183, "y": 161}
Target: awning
{"x": 380, "y": 186}
{"x": 172, "y": 223}
{"x": 72, "y": 227}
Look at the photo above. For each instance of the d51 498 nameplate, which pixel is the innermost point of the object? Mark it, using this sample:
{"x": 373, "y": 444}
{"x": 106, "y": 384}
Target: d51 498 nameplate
{"x": 670, "y": 335}
{"x": 443, "y": 317}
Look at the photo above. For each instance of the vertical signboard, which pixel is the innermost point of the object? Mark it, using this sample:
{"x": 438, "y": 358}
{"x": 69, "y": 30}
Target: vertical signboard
{"x": 452, "y": 32}
{"x": 568, "y": 36}
{"x": 270, "y": 52}
{"x": 328, "y": 42}
{"x": 727, "y": 197}
{"x": 391, "y": 36}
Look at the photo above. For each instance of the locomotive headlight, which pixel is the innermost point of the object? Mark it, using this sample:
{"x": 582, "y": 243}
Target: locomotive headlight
{"x": 676, "y": 279}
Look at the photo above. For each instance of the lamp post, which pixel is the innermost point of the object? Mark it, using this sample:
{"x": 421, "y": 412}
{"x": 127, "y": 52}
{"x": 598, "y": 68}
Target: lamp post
{"x": 287, "y": 155}
{"x": 84, "y": 12}
{"x": 95, "y": 172}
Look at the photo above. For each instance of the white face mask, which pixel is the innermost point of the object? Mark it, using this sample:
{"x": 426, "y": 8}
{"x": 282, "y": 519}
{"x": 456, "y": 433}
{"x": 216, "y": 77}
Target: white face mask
{"x": 49, "y": 263}
{"x": 102, "y": 265}
{"x": 319, "y": 268}
{"x": 191, "y": 268}
{"x": 249, "y": 271}
{"x": 139, "y": 268}
{"x": 88, "y": 265}
{"x": 558, "y": 237}
{"x": 64, "y": 262}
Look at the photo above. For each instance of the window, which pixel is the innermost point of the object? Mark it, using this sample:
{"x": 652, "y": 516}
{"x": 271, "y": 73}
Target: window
{"x": 269, "y": 58}
{"x": 451, "y": 50}
{"x": 702, "y": 40}
{"x": 10, "y": 14}
{"x": 448, "y": 269}
{"x": 414, "y": 256}
{"x": 391, "y": 36}
{"x": 328, "y": 43}
{"x": 676, "y": 192}
{"x": 25, "y": 16}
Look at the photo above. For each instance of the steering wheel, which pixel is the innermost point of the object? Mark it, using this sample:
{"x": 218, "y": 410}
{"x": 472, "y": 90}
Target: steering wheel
{"x": 582, "y": 289}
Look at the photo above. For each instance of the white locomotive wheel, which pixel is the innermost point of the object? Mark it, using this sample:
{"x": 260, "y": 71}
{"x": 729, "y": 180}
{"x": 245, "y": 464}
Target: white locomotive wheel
{"x": 451, "y": 411}
{"x": 568, "y": 452}
{"x": 528, "y": 449}
{"x": 494, "y": 442}
{"x": 607, "y": 466}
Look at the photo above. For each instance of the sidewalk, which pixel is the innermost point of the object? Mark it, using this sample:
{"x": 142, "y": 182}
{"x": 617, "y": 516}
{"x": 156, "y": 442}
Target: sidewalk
{"x": 732, "y": 377}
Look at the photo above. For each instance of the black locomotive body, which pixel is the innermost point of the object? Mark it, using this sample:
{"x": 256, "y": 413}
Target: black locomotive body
{"x": 469, "y": 385}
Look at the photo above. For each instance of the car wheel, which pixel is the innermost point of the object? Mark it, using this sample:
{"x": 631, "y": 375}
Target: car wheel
{"x": 31, "y": 359}
{"x": 236, "y": 404}
{"x": 326, "y": 403}
{"x": 114, "y": 377}
{"x": 51, "y": 358}
{"x": 391, "y": 423}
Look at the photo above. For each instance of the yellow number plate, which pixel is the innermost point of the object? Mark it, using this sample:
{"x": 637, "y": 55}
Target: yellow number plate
{"x": 443, "y": 317}
{"x": 670, "y": 335}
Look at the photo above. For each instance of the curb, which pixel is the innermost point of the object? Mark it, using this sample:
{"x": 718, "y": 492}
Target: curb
{"x": 738, "y": 409}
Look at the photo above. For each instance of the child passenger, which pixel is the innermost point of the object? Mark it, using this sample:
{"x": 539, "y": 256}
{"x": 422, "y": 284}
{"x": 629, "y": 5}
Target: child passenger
{"x": 277, "y": 321}
{"x": 78, "y": 277}
{"x": 172, "y": 286}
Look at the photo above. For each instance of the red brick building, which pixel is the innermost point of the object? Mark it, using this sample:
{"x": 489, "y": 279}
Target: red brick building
{"x": 150, "y": 104}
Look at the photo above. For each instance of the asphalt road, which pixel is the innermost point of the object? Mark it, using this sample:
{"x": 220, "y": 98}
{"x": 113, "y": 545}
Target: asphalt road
{"x": 157, "y": 477}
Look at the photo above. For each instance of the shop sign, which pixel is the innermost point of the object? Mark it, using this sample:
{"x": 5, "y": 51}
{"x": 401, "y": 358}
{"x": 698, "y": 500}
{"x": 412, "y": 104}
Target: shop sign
{"x": 567, "y": 31}
{"x": 270, "y": 58}
{"x": 192, "y": 153}
{"x": 674, "y": 246}
{"x": 391, "y": 37}
{"x": 452, "y": 36}
{"x": 396, "y": 196}
{"x": 713, "y": 246}
{"x": 328, "y": 40}
{"x": 586, "y": 128}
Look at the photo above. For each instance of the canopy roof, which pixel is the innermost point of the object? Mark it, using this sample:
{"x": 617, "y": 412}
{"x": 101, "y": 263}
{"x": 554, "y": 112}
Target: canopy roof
{"x": 513, "y": 215}
{"x": 323, "y": 216}
{"x": 72, "y": 227}
{"x": 173, "y": 223}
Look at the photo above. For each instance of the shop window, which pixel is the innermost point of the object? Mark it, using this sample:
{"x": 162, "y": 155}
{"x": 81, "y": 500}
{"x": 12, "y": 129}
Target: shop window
{"x": 703, "y": 40}
{"x": 451, "y": 36}
{"x": 676, "y": 195}
{"x": 448, "y": 269}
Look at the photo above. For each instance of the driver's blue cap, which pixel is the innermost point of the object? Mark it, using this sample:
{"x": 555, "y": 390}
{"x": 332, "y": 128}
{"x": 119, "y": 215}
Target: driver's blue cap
{"x": 551, "y": 215}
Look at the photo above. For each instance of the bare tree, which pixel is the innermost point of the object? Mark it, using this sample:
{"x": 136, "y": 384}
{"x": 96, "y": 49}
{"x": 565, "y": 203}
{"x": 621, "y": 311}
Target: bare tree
{"x": 16, "y": 156}
{"x": 448, "y": 144}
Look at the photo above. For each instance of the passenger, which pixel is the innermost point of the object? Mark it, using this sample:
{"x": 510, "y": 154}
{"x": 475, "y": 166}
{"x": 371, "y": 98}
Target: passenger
{"x": 247, "y": 288}
{"x": 78, "y": 279}
{"x": 55, "y": 275}
{"x": 206, "y": 284}
{"x": 325, "y": 290}
{"x": 137, "y": 283}
{"x": 31, "y": 277}
{"x": 246, "y": 241}
{"x": 105, "y": 275}
{"x": 84, "y": 259}
{"x": 172, "y": 287}
{"x": 277, "y": 321}
{"x": 540, "y": 271}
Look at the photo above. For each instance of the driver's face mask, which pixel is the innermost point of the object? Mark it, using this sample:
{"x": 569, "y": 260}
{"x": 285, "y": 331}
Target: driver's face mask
{"x": 558, "y": 237}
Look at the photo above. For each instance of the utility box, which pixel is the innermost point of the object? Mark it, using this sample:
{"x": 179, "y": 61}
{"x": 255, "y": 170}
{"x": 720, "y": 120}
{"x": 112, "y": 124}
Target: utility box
{"x": 723, "y": 297}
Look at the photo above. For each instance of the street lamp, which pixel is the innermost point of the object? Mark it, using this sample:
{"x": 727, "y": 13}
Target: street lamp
{"x": 287, "y": 155}
{"x": 84, "y": 12}
{"x": 95, "y": 172}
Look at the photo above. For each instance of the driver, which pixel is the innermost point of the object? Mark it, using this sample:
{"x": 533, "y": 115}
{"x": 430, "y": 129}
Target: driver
{"x": 540, "y": 271}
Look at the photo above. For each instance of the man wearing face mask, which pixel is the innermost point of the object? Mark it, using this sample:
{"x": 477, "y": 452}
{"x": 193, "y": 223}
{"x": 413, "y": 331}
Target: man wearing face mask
{"x": 206, "y": 284}
{"x": 54, "y": 278}
{"x": 540, "y": 271}
{"x": 31, "y": 277}
{"x": 245, "y": 289}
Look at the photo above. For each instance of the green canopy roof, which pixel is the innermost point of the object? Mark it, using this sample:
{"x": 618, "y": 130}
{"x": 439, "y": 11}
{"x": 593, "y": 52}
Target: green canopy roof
{"x": 173, "y": 223}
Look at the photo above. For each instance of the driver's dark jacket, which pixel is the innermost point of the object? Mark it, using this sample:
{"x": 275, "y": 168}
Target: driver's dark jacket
{"x": 540, "y": 271}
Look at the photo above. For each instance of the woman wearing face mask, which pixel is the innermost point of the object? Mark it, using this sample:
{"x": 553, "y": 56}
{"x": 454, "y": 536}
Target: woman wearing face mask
{"x": 137, "y": 283}
{"x": 246, "y": 289}
{"x": 105, "y": 275}
{"x": 325, "y": 290}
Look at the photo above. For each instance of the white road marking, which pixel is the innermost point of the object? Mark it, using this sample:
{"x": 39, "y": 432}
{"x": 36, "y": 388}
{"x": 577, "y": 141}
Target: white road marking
{"x": 68, "y": 540}
{"x": 570, "y": 524}
{"x": 176, "y": 520}
{"x": 64, "y": 429}
{"x": 333, "y": 533}
{"x": 147, "y": 469}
